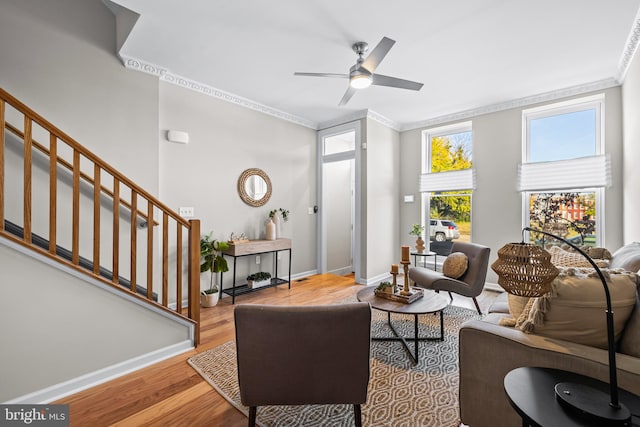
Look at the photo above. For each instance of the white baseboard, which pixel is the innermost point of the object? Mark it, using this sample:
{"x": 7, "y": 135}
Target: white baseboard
{"x": 83, "y": 382}
{"x": 342, "y": 271}
{"x": 375, "y": 280}
{"x": 303, "y": 274}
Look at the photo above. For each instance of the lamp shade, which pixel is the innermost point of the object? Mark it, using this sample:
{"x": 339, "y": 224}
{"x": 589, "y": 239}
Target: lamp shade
{"x": 524, "y": 269}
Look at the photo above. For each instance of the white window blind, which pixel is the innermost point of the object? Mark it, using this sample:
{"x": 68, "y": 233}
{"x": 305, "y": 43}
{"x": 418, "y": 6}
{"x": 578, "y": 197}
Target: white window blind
{"x": 584, "y": 172}
{"x": 447, "y": 181}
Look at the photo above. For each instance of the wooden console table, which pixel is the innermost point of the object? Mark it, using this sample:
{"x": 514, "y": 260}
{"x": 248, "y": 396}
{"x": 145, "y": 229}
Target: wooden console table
{"x": 256, "y": 247}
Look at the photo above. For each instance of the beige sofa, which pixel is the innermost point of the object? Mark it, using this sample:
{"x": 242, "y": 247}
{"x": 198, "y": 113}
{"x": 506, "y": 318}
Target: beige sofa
{"x": 489, "y": 351}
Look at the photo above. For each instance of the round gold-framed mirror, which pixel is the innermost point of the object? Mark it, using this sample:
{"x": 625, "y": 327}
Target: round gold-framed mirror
{"x": 254, "y": 187}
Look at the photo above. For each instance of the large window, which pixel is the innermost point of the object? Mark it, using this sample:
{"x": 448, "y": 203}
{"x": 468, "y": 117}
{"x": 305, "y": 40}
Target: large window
{"x": 446, "y": 184}
{"x": 564, "y": 170}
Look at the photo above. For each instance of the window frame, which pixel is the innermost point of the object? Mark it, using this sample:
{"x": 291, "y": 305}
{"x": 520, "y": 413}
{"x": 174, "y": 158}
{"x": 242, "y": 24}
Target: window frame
{"x": 565, "y": 107}
{"x": 596, "y": 102}
{"x": 426, "y": 165}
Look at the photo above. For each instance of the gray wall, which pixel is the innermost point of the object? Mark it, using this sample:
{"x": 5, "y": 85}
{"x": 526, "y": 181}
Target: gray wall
{"x": 59, "y": 59}
{"x": 224, "y": 140}
{"x": 63, "y": 66}
{"x": 55, "y": 327}
{"x": 631, "y": 150}
{"x": 496, "y": 205}
{"x": 382, "y": 161}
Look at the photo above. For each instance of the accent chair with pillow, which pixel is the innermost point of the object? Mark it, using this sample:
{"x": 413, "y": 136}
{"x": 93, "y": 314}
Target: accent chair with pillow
{"x": 463, "y": 272}
{"x": 565, "y": 329}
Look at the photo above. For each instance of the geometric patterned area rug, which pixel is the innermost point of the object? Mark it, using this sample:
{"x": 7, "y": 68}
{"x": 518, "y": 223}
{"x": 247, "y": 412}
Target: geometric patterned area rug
{"x": 400, "y": 393}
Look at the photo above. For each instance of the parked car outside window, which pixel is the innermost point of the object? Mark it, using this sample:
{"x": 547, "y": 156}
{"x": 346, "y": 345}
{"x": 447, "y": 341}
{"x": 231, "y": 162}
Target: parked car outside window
{"x": 442, "y": 230}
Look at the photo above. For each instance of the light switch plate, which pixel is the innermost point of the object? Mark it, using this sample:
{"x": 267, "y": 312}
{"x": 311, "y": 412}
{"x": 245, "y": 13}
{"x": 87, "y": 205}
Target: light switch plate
{"x": 186, "y": 212}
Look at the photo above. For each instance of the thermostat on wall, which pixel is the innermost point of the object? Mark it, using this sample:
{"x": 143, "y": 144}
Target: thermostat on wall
{"x": 178, "y": 136}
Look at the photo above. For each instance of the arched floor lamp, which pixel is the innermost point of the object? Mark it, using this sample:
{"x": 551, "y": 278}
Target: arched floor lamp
{"x": 525, "y": 269}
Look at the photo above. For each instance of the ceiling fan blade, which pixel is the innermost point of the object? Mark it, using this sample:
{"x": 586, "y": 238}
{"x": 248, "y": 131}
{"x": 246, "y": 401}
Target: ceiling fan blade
{"x": 322, "y": 75}
{"x": 380, "y": 80}
{"x": 377, "y": 54}
{"x": 347, "y": 95}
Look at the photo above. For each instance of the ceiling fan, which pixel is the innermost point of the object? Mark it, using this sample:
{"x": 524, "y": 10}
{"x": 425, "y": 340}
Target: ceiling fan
{"x": 362, "y": 75}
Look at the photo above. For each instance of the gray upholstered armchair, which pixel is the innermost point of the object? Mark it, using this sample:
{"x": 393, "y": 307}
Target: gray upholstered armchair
{"x": 303, "y": 355}
{"x": 470, "y": 284}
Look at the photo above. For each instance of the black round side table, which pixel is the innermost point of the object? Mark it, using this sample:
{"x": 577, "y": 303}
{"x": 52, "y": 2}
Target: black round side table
{"x": 531, "y": 393}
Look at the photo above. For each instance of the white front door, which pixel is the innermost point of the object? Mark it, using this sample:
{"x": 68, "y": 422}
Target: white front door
{"x": 338, "y": 230}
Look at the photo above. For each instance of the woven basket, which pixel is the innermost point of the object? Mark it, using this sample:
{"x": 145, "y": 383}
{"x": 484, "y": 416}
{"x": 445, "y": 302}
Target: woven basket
{"x": 524, "y": 269}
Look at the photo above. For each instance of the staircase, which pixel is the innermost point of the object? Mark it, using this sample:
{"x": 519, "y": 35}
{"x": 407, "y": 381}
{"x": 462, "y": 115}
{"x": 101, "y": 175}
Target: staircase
{"x": 61, "y": 200}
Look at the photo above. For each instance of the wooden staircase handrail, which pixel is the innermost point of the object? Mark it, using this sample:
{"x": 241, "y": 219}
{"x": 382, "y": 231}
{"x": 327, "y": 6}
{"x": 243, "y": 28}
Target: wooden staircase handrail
{"x": 88, "y": 154}
{"x": 93, "y": 267}
{"x": 69, "y": 166}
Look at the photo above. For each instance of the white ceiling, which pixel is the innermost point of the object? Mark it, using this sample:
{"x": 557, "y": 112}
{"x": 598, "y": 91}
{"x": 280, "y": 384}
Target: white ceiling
{"x": 469, "y": 54}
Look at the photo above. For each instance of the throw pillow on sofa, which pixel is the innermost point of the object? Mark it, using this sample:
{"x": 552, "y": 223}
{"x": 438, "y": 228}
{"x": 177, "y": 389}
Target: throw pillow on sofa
{"x": 627, "y": 257}
{"x": 562, "y": 258}
{"x": 597, "y": 253}
{"x": 575, "y": 308}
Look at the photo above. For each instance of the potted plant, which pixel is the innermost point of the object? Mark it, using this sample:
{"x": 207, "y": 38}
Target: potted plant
{"x": 275, "y": 215}
{"x": 211, "y": 260}
{"x": 417, "y": 231}
{"x": 285, "y": 214}
{"x": 385, "y": 287}
{"x": 259, "y": 279}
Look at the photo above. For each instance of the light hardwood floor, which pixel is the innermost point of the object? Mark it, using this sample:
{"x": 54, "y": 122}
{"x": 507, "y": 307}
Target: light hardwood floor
{"x": 171, "y": 393}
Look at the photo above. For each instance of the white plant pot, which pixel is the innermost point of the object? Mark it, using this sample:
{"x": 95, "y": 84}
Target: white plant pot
{"x": 278, "y": 223}
{"x": 209, "y": 300}
{"x": 271, "y": 230}
{"x": 253, "y": 284}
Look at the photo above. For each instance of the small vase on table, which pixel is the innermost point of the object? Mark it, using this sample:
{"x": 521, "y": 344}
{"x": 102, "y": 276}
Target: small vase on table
{"x": 278, "y": 224}
{"x": 271, "y": 230}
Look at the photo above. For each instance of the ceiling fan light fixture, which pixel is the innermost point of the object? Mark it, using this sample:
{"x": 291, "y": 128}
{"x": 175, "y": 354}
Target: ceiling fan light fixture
{"x": 360, "y": 81}
{"x": 363, "y": 72}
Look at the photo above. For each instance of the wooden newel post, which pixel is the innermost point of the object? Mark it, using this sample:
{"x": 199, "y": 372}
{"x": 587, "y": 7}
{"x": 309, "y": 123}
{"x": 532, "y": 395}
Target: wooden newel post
{"x": 194, "y": 276}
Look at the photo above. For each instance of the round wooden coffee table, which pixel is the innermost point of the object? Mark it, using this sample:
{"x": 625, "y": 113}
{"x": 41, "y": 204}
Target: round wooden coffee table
{"x": 432, "y": 302}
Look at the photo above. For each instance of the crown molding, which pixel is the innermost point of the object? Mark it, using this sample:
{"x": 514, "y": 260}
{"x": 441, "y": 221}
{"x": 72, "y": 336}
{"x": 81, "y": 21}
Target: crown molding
{"x": 516, "y": 103}
{"x": 630, "y": 48}
{"x": 356, "y": 115}
{"x": 377, "y": 117}
{"x": 167, "y": 76}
